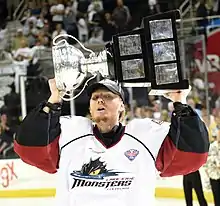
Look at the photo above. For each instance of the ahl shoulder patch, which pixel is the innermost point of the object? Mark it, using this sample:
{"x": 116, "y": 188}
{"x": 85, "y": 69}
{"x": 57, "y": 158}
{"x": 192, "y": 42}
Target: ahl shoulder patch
{"x": 157, "y": 121}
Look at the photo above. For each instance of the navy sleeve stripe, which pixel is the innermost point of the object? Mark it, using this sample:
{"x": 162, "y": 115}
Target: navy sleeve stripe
{"x": 189, "y": 134}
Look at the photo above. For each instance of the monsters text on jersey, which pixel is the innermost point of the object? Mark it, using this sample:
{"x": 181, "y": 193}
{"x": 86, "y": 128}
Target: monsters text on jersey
{"x": 95, "y": 174}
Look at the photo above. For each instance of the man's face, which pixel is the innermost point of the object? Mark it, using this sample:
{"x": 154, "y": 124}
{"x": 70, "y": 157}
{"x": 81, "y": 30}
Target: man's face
{"x": 4, "y": 118}
{"x": 120, "y": 2}
{"x": 58, "y": 27}
{"x": 217, "y": 120}
{"x": 191, "y": 103}
{"x": 105, "y": 105}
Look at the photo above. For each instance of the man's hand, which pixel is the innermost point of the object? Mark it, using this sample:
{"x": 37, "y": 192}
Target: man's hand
{"x": 178, "y": 95}
{"x": 55, "y": 96}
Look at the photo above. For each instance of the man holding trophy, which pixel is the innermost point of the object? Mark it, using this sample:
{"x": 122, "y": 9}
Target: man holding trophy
{"x": 101, "y": 161}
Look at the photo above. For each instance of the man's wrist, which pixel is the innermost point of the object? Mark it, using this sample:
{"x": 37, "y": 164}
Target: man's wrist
{"x": 52, "y": 107}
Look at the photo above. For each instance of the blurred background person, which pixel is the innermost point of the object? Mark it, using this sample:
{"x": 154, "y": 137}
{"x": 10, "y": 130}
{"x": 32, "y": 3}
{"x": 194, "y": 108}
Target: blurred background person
{"x": 213, "y": 168}
{"x": 190, "y": 182}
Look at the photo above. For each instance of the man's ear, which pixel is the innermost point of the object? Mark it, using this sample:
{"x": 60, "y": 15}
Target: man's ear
{"x": 122, "y": 108}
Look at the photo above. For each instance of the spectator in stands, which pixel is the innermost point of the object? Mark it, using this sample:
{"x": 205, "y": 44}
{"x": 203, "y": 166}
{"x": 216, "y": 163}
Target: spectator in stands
{"x": 82, "y": 7}
{"x": 164, "y": 116}
{"x": 41, "y": 43}
{"x": 40, "y": 21}
{"x": 95, "y": 4}
{"x": 30, "y": 18}
{"x": 154, "y": 7}
{"x": 59, "y": 30}
{"x": 70, "y": 21}
{"x": 46, "y": 31}
{"x": 16, "y": 43}
{"x": 191, "y": 102}
{"x": 212, "y": 122}
{"x": 96, "y": 37}
{"x": 157, "y": 109}
{"x": 151, "y": 100}
{"x": 170, "y": 109}
{"x": 31, "y": 32}
{"x": 109, "y": 27}
{"x": 24, "y": 52}
{"x": 57, "y": 11}
{"x": 137, "y": 112}
{"x": 3, "y": 13}
{"x": 74, "y": 6}
{"x": 23, "y": 56}
{"x": 94, "y": 8}
{"x": 121, "y": 16}
{"x": 82, "y": 28}
{"x": 6, "y": 135}
{"x": 35, "y": 7}
{"x": 45, "y": 10}
{"x": 213, "y": 168}
{"x": 202, "y": 11}
{"x": 217, "y": 118}
{"x": 147, "y": 112}
{"x": 94, "y": 15}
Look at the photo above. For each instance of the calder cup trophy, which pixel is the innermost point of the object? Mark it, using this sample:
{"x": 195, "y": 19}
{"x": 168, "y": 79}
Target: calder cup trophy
{"x": 72, "y": 69}
{"x": 145, "y": 57}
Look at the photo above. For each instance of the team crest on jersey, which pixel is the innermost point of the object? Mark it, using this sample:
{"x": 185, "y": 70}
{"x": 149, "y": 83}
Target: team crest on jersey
{"x": 131, "y": 154}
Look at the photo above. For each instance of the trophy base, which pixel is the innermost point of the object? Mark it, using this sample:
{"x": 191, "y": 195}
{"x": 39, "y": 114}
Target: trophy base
{"x": 156, "y": 92}
{"x": 159, "y": 90}
{"x": 141, "y": 84}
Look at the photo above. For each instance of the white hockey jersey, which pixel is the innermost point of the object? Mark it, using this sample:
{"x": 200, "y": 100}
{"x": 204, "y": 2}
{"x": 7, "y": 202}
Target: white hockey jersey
{"x": 92, "y": 175}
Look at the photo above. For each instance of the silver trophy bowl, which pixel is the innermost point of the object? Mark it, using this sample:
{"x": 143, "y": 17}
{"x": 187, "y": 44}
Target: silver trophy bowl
{"x": 72, "y": 68}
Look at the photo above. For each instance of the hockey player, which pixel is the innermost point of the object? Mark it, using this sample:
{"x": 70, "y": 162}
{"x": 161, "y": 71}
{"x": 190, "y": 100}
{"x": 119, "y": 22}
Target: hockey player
{"x": 107, "y": 163}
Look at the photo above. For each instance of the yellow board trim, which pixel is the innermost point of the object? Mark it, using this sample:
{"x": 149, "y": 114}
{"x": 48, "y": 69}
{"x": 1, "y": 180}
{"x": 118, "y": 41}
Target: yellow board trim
{"x": 172, "y": 193}
{"x": 177, "y": 193}
{"x": 24, "y": 193}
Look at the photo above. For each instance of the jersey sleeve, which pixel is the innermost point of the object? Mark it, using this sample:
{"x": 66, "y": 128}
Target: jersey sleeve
{"x": 37, "y": 140}
{"x": 185, "y": 148}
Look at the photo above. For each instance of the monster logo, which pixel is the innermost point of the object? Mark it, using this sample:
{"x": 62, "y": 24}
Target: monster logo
{"x": 95, "y": 169}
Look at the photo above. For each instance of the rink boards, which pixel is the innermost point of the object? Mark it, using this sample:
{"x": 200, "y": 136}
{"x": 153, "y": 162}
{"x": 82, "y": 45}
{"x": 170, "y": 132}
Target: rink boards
{"x": 18, "y": 179}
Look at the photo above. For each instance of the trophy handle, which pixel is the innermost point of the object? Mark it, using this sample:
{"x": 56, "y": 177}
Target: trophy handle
{"x": 64, "y": 40}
